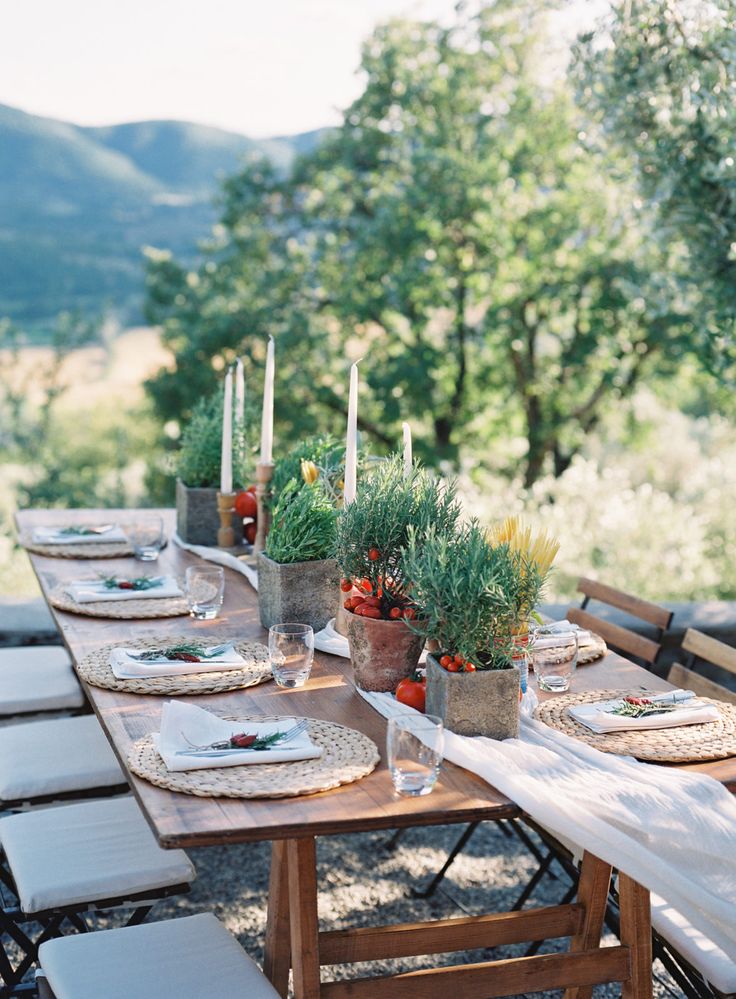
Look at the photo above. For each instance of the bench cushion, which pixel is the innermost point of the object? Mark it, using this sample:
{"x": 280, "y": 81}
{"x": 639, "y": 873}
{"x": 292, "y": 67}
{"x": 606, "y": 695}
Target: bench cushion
{"x": 190, "y": 958}
{"x": 37, "y": 678}
{"x": 85, "y": 852}
{"x": 713, "y": 964}
{"x": 55, "y": 756}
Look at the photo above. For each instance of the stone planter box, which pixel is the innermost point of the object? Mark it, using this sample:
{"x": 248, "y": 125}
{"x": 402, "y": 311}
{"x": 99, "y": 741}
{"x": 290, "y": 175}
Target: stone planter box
{"x": 298, "y": 592}
{"x": 482, "y": 703}
{"x": 197, "y": 519}
{"x": 382, "y": 652}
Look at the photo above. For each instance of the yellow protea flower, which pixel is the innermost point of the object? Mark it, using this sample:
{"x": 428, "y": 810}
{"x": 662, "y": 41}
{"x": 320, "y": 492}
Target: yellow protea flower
{"x": 310, "y": 472}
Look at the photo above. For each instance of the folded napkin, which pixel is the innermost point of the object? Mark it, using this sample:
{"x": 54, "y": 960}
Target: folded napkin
{"x": 562, "y": 627}
{"x": 181, "y": 722}
{"x": 219, "y": 557}
{"x": 690, "y": 711}
{"x": 125, "y": 667}
{"x": 56, "y": 536}
{"x": 89, "y": 591}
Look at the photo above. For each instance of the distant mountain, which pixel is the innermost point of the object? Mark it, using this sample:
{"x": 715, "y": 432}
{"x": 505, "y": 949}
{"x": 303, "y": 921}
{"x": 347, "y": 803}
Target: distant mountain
{"x": 78, "y": 204}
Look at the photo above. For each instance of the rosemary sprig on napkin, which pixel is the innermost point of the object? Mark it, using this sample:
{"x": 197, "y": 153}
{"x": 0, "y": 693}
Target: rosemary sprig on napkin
{"x": 188, "y": 652}
{"x": 137, "y": 583}
{"x": 640, "y": 707}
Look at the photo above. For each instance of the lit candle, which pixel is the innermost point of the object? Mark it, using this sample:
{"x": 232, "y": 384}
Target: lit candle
{"x": 351, "y": 443}
{"x": 267, "y": 417}
{"x": 226, "y": 461}
{"x": 239, "y": 392}
{"x": 407, "y": 449}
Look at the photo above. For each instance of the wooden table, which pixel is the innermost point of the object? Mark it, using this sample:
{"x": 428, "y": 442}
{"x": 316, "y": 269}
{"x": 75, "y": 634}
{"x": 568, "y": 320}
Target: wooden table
{"x": 293, "y": 939}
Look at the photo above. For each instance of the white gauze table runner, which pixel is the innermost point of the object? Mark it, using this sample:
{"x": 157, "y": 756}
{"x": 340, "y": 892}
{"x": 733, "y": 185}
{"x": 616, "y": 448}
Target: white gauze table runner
{"x": 673, "y": 832}
{"x": 220, "y": 557}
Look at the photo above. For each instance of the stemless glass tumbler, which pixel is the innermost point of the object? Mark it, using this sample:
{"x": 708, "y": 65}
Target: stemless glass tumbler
{"x": 291, "y": 648}
{"x": 554, "y": 657}
{"x": 205, "y": 589}
{"x": 414, "y": 746}
{"x": 146, "y": 536}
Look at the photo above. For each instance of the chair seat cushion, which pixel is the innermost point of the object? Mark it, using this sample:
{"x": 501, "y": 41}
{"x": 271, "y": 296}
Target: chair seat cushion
{"x": 55, "y": 756}
{"x": 713, "y": 964}
{"x": 86, "y": 852}
{"x": 190, "y": 958}
{"x": 37, "y": 678}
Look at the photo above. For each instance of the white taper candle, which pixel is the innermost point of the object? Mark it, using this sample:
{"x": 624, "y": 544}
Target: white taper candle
{"x": 267, "y": 416}
{"x": 239, "y": 392}
{"x": 407, "y": 449}
{"x": 351, "y": 443}
{"x": 226, "y": 460}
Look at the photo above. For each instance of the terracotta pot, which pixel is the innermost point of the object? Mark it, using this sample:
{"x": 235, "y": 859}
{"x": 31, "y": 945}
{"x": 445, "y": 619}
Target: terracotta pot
{"x": 382, "y": 652}
{"x": 299, "y": 592}
{"x": 197, "y": 519}
{"x": 482, "y": 703}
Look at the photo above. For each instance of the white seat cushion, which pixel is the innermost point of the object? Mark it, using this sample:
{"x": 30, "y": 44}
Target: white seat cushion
{"x": 85, "y": 852}
{"x": 37, "y": 678}
{"x": 55, "y": 755}
{"x": 715, "y": 966}
{"x": 190, "y": 958}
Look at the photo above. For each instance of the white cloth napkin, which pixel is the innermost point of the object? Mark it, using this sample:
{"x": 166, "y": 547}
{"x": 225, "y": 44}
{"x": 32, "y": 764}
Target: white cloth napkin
{"x": 674, "y": 832}
{"x": 218, "y": 556}
{"x": 564, "y": 626}
{"x": 126, "y": 668}
{"x": 89, "y": 591}
{"x": 54, "y": 536}
{"x": 202, "y": 728}
{"x": 598, "y": 719}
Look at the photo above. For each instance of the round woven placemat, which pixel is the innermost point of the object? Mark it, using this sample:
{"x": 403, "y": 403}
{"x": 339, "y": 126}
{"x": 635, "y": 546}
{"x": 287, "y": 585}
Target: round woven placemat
{"x": 120, "y": 609}
{"x": 96, "y": 670}
{"x": 686, "y": 744}
{"x": 347, "y": 756}
{"x": 92, "y": 549}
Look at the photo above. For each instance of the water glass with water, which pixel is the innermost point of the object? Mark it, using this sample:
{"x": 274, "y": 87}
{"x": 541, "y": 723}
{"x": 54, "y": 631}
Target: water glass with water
{"x": 291, "y": 649}
{"x": 146, "y": 536}
{"x": 205, "y": 590}
{"x": 414, "y": 747}
{"x": 554, "y": 658}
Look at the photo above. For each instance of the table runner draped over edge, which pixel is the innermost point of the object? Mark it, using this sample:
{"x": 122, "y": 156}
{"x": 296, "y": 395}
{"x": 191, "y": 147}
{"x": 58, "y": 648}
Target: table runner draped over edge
{"x": 673, "y": 832}
{"x": 220, "y": 557}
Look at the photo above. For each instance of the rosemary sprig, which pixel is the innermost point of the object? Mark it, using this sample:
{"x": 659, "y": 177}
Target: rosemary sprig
{"x": 241, "y": 740}
{"x": 137, "y": 583}
{"x": 640, "y": 708}
{"x": 188, "y": 652}
{"x": 78, "y": 531}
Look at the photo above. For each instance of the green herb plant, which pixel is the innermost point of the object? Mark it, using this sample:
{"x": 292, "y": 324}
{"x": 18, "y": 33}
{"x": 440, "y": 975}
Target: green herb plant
{"x": 302, "y": 524}
{"x": 198, "y": 461}
{"x": 466, "y": 592}
{"x": 374, "y": 530}
{"x": 328, "y": 455}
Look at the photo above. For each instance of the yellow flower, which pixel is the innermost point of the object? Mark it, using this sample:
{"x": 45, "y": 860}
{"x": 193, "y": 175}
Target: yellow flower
{"x": 310, "y": 472}
{"x": 540, "y": 550}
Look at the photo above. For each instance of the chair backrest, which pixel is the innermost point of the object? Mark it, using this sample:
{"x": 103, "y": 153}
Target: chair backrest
{"x": 702, "y": 647}
{"x": 617, "y": 636}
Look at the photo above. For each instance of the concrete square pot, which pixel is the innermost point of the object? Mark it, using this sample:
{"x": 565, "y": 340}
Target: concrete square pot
{"x": 482, "y": 703}
{"x": 382, "y": 652}
{"x": 298, "y": 592}
{"x": 197, "y": 519}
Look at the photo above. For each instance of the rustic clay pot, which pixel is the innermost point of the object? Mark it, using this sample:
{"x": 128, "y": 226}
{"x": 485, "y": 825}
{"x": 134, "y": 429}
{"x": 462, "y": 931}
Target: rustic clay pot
{"x": 382, "y": 652}
{"x": 300, "y": 592}
{"x": 197, "y": 519}
{"x": 482, "y": 703}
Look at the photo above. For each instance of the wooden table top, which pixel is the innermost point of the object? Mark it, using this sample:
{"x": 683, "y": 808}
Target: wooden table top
{"x": 371, "y": 803}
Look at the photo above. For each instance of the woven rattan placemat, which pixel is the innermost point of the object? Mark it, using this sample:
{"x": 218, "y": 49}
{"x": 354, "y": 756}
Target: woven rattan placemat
{"x": 686, "y": 744}
{"x": 96, "y": 670}
{"x": 117, "y": 549}
{"x": 120, "y": 609}
{"x": 347, "y": 756}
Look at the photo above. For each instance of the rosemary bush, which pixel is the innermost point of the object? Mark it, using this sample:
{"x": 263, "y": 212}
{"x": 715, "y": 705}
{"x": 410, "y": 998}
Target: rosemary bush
{"x": 199, "y": 457}
{"x": 374, "y": 529}
{"x": 466, "y": 591}
{"x": 302, "y": 524}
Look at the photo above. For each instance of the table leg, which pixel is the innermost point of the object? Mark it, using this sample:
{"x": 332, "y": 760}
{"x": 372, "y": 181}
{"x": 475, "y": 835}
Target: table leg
{"x": 302, "y": 866}
{"x": 595, "y": 880}
{"x": 277, "y": 957}
{"x": 636, "y": 933}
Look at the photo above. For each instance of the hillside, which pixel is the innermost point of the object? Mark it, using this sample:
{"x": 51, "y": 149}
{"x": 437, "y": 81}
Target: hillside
{"x": 78, "y": 204}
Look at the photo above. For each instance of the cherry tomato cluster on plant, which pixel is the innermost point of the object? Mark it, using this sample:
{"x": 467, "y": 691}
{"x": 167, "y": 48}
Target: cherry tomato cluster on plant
{"x": 380, "y": 606}
{"x": 412, "y": 690}
{"x": 246, "y": 506}
{"x": 456, "y": 664}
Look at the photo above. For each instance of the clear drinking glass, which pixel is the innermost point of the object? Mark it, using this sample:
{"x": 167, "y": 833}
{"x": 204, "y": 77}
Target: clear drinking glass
{"x": 146, "y": 536}
{"x": 291, "y": 648}
{"x": 554, "y": 657}
{"x": 205, "y": 589}
{"x": 414, "y": 746}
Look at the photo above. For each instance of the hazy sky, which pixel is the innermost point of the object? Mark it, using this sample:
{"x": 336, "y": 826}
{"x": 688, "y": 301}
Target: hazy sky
{"x": 262, "y": 67}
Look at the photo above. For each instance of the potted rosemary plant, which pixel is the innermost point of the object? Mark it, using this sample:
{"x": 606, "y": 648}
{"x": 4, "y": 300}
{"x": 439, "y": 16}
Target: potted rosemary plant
{"x": 198, "y": 473}
{"x": 372, "y": 533}
{"x": 298, "y": 577}
{"x": 466, "y": 591}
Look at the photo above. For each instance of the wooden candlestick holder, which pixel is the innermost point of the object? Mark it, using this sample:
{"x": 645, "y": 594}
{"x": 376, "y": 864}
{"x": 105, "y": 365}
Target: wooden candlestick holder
{"x": 226, "y": 508}
{"x": 264, "y": 472}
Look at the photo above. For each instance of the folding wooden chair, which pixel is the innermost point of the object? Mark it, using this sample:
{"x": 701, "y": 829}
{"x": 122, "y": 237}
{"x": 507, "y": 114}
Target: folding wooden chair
{"x": 645, "y": 650}
{"x": 702, "y": 649}
{"x": 59, "y": 864}
{"x": 191, "y": 958}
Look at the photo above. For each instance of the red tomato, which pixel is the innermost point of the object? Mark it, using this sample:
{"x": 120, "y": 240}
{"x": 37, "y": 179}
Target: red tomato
{"x": 246, "y": 505}
{"x": 249, "y": 532}
{"x": 412, "y": 690}
{"x": 395, "y": 613}
{"x": 374, "y": 554}
{"x": 365, "y": 585}
{"x": 372, "y": 601}
{"x": 368, "y": 611}
{"x": 445, "y": 661}
{"x": 409, "y": 614}
{"x": 346, "y": 585}
{"x": 469, "y": 667}
{"x": 352, "y": 602}
{"x": 454, "y": 667}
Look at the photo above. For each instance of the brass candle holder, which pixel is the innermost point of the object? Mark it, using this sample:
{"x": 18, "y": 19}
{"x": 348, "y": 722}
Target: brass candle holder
{"x": 225, "y": 509}
{"x": 264, "y": 473}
